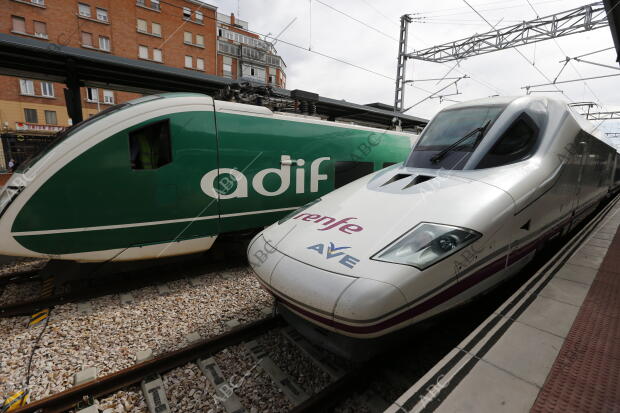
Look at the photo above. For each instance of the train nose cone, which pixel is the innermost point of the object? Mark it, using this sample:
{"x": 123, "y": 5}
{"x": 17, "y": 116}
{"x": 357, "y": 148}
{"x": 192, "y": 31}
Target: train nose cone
{"x": 346, "y": 304}
{"x": 308, "y": 291}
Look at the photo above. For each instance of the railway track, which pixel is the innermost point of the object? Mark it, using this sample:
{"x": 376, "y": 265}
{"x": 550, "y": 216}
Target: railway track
{"x": 19, "y": 277}
{"x": 102, "y": 386}
{"x": 94, "y": 283}
{"x": 344, "y": 381}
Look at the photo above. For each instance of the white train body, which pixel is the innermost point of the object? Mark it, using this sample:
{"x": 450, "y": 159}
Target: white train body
{"x": 356, "y": 264}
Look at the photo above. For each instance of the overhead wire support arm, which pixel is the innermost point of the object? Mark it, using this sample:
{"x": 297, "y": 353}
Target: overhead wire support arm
{"x": 435, "y": 94}
{"x": 578, "y": 20}
{"x": 528, "y": 87}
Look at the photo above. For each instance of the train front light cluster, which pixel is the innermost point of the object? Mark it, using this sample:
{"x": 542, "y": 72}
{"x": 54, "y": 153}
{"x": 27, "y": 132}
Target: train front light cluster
{"x": 427, "y": 244}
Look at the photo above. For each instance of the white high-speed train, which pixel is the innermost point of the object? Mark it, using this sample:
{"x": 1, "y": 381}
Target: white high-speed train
{"x": 488, "y": 183}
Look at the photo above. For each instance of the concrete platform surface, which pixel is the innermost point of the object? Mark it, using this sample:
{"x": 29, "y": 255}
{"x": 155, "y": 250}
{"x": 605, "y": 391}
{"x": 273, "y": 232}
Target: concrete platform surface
{"x": 554, "y": 346}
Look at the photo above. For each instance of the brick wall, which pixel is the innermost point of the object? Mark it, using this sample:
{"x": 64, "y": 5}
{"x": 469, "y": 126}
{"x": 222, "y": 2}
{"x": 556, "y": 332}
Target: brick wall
{"x": 64, "y": 25}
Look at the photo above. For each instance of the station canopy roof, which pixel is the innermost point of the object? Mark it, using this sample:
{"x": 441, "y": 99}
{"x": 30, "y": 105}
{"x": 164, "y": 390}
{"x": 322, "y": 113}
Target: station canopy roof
{"x": 39, "y": 59}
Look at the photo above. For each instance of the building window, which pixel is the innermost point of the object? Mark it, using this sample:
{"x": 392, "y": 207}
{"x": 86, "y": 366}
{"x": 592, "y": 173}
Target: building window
{"x": 272, "y": 78}
{"x": 200, "y": 40}
{"x": 200, "y": 63}
{"x": 30, "y": 115}
{"x": 47, "y": 89}
{"x": 156, "y": 29}
{"x": 92, "y": 94}
{"x": 187, "y": 37}
{"x": 227, "y": 66}
{"x": 39, "y": 2}
{"x": 26, "y": 87}
{"x": 187, "y": 13}
{"x": 108, "y": 97}
{"x": 155, "y": 4}
{"x": 142, "y": 26}
{"x": 84, "y": 9}
{"x": 143, "y": 52}
{"x": 19, "y": 24}
{"x": 104, "y": 43}
{"x": 102, "y": 14}
{"x": 50, "y": 117}
{"x": 199, "y": 16}
{"x": 157, "y": 56}
{"x": 189, "y": 62}
{"x": 40, "y": 29}
{"x": 87, "y": 39}
{"x": 150, "y": 146}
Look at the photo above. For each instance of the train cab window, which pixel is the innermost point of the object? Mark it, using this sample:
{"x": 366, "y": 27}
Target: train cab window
{"x": 150, "y": 146}
{"x": 517, "y": 144}
{"x": 349, "y": 171}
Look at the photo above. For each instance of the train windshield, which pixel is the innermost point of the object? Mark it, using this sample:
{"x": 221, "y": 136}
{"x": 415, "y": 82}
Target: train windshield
{"x": 459, "y": 130}
{"x": 63, "y": 135}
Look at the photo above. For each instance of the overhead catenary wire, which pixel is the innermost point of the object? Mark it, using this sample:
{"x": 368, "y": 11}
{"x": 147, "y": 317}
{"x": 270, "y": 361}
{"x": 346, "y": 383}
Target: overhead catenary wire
{"x": 380, "y": 13}
{"x": 357, "y": 20}
{"x": 487, "y": 85}
{"x": 336, "y": 59}
{"x": 568, "y": 61}
{"x": 466, "y": 11}
{"x": 581, "y": 79}
{"x": 518, "y": 51}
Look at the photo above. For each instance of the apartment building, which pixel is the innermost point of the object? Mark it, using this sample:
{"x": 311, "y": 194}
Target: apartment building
{"x": 241, "y": 54}
{"x": 187, "y": 34}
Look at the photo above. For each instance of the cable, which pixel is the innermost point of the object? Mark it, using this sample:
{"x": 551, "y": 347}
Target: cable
{"x": 483, "y": 10}
{"x": 380, "y": 13}
{"x": 35, "y": 347}
{"x": 519, "y": 52}
{"x": 357, "y": 20}
{"x": 339, "y": 60}
{"x": 495, "y": 89}
{"x": 586, "y": 84}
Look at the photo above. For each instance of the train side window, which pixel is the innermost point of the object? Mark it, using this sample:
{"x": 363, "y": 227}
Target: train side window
{"x": 517, "y": 144}
{"x": 349, "y": 171}
{"x": 150, "y": 146}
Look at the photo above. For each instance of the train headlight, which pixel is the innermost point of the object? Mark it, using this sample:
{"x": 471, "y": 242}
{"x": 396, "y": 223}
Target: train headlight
{"x": 427, "y": 244}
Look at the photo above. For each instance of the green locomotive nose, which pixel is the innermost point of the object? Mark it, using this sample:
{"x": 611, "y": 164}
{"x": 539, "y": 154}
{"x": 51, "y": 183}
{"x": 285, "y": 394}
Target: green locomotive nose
{"x": 165, "y": 174}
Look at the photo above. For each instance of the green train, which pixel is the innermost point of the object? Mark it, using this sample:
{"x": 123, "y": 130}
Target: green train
{"x": 164, "y": 175}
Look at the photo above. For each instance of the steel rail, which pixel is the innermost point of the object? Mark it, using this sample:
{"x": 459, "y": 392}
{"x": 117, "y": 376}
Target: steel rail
{"x": 106, "y": 385}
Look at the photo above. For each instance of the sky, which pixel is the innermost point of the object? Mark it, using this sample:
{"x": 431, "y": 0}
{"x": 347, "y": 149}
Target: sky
{"x": 365, "y": 33}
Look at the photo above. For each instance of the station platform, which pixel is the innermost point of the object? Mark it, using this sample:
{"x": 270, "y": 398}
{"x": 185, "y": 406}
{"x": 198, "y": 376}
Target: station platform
{"x": 554, "y": 346}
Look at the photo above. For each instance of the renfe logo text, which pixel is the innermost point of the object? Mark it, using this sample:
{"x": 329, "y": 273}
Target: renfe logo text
{"x": 329, "y": 222}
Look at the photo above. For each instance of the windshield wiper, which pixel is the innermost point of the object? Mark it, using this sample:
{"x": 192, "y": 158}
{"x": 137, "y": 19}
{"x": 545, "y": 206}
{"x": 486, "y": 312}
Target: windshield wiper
{"x": 479, "y": 130}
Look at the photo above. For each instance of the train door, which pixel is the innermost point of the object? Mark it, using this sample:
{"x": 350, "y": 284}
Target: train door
{"x": 168, "y": 156}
